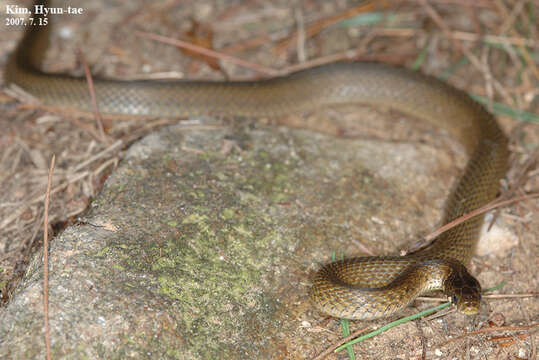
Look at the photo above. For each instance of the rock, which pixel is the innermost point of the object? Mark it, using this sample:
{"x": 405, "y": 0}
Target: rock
{"x": 194, "y": 253}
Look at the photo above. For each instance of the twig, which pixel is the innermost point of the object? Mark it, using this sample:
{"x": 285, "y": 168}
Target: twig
{"x": 440, "y": 314}
{"x": 208, "y": 52}
{"x": 90, "y": 129}
{"x": 486, "y": 4}
{"x": 46, "y": 261}
{"x": 319, "y": 25}
{"x": 423, "y": 340}
{"x": 18, "y": 212}
{"x": 512, "y": 339}
{"x": 530, "y": 333}
{"x": 459, "y": 35}
{"x": 492, "y": 205}
{"x": 509, "y": 20}
{"x": 523, "y": 173}
{"x": 300, "y": 44}
{"x": 490, "y": 329}
{"x": 91, "y": 89}
{"x": 100, "y": 154}
{"x": 431, "y": 298}
{"x": 525, "y": 54}
{"x": 519, "y": 41}
{"x": 345, "y": 55}
{"x": 332, "y": 348}
{"x": 244, "y": 45}
{"x": 485, "y": 296}
{"x": 473, "y": 59}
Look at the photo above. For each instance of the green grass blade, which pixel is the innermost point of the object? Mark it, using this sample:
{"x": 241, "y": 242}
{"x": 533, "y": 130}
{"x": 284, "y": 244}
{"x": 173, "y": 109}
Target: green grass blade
{"x": 506, "y": 110}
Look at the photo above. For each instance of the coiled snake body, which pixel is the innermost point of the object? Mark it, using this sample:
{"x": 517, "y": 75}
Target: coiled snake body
{"x": 358, "y": 288}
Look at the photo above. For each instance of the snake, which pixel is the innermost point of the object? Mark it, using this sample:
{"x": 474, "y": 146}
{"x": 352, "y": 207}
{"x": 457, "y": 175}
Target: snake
{"x": 367, "y": 287}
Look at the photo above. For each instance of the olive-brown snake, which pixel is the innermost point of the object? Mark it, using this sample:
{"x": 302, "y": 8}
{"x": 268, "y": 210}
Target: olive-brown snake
{"x": 358, "y": 288}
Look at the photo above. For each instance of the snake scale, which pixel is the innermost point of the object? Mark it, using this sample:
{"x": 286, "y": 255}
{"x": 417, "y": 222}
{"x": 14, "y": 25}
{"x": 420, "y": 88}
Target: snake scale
{"x": 356, "y": 288}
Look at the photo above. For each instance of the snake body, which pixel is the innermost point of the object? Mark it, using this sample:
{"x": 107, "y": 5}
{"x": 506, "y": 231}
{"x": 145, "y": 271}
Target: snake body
{"x": 357, "y": 288}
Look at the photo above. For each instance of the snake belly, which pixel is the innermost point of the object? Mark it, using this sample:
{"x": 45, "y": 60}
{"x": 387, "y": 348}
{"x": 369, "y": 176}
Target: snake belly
{"x": 357, "y": 288}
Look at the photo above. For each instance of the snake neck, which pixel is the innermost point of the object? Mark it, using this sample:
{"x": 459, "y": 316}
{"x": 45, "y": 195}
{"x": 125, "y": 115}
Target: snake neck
{"x": 478, "y": 186}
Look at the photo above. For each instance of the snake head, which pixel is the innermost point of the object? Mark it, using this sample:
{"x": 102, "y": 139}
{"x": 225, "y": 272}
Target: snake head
{"x": 464, "y": 289}
{"x": 468, "y": 301}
